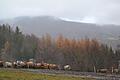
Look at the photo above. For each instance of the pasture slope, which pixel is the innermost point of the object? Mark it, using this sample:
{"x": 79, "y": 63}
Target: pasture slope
{"x": 13, "y": 74}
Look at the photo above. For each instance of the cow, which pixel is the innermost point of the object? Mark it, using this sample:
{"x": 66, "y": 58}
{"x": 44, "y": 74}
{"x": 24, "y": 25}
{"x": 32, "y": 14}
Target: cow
{"x": 8, "y": 65}
{"x": 19, "y": 64}
{"x": 53, "y": 66}
{"x": 30, "y": 64}
{"x": 44, "y": 66}
{"x": 14, "y": 64}
{"x": 37, "y": 65}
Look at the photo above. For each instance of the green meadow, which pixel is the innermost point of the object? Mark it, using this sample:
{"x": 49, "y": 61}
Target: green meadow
{"x": 6, "y": 74}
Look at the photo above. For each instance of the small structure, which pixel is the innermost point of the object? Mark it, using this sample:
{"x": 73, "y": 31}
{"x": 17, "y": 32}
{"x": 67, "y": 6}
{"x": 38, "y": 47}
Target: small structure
{"x": 67, "y": 67}
{"x": 119, "y": 65}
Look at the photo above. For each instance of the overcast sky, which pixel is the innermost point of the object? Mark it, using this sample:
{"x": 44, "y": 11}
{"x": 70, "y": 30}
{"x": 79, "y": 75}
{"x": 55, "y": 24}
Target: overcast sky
{"x": 92, "y": 11}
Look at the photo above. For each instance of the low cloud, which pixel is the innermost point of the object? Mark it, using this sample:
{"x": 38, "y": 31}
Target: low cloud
{"x": 93, "y": 11}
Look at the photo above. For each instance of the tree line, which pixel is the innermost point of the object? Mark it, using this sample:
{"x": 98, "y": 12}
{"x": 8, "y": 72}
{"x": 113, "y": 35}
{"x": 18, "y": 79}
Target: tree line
{"x": 81, "y": 54}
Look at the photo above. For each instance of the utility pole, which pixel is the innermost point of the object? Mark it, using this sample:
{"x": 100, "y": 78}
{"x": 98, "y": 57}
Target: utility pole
{"x": 94, "y": 69}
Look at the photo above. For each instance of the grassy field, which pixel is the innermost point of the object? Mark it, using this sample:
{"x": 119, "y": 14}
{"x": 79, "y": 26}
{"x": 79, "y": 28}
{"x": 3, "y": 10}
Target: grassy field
{"x": 22, "y": 75}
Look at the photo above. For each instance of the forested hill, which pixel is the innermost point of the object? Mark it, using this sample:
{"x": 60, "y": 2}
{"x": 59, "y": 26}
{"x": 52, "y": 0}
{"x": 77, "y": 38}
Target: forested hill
{"x": 40, "y": 25}
{"x": 81, "y": 54}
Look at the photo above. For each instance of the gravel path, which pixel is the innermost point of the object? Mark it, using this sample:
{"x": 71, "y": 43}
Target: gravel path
{"x": 97, "y": 76}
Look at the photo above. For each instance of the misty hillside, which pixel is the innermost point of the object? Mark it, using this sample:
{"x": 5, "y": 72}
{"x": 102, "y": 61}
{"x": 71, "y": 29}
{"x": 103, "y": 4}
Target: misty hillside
{"x": 47, "y": 24}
